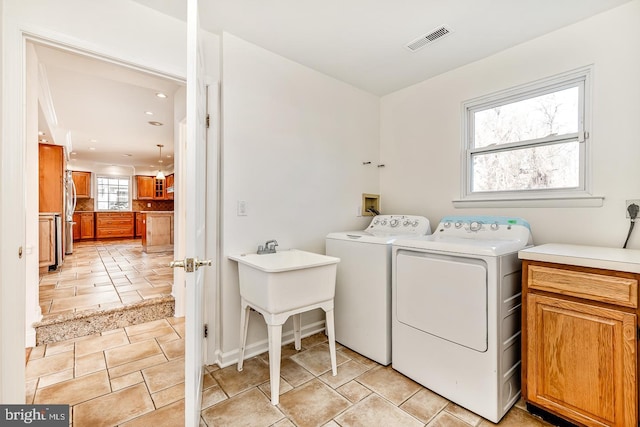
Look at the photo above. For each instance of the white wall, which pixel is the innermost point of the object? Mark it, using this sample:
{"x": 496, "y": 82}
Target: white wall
{"x": 421, "y": 129}
{"x": 120, "y": 29}
{"x": 293, "y": 145}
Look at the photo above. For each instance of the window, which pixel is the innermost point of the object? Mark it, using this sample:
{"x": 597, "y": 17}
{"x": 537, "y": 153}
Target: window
{"x": 528, "y": 142}
{"x": 113, "y": 193}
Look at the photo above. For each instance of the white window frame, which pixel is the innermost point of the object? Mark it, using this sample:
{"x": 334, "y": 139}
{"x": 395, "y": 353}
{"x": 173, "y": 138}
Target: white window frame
{"x": 130, "y": 192}
{"x": 578, "y": 196}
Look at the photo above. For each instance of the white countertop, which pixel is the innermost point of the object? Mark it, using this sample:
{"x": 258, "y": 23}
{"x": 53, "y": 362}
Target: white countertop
{"x": 585, "y": 256}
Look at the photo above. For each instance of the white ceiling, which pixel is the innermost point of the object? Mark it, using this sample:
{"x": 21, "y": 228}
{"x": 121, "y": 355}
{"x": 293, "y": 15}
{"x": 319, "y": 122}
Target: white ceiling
{"x": 361, "y": 42}
{"x": 102, "y": 105}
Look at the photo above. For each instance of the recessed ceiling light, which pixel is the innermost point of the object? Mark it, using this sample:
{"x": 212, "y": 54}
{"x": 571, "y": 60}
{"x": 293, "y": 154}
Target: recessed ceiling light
{"x": 168, "y": 156}
{"x": 73, "y": 153}
{"x": 149, "y": 113}
{"x": 43, "y": 140}
{"x": 93, "y": 140}
{"x": 126, "y": 155}
{"x": 161, "y": 95}
{"x": 154, "y": 123}
{"x": 41, "y": 133}
{"x": 92, "y": 148}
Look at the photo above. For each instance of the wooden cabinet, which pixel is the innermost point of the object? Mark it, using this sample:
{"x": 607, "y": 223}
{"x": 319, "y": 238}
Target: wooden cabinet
{"x": 47, "y": 237}
{"x": 158, "y": 231}
{"x": 114, "y": 224}
{"x": 82, "y": 180}
{"x": 51, "y": 180}
{"x": 150, "y": 188}
{"x": 580, "y": 343}
{"x": 146, "y": 187}
{"x": 169, "y": 187}
{"x": 87, "y": 225}
{"x": 76, "y": 226}
{"x": 139, "y": 219}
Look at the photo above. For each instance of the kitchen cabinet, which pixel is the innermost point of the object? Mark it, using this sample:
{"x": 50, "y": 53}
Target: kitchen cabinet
{"x": 146, "y": 187}
{"x": 158, "y": 231}
{"x": 47, "y": 243}
{"x": 169, "y": 187}
{"x": 579, "y": 338}
{"x": 139, "y": 219}
{"x": 82, "y": 180}
{"x": 150, "y": 188}
{"x": 114, "y": 224}
{"x": 51, "y": 180}
{"x": 76, "y": 226}
{"x": 87, "y": 225}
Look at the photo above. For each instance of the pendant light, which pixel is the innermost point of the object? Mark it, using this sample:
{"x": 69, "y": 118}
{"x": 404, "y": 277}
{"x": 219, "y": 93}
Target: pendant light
{"x": 160, "y": 175}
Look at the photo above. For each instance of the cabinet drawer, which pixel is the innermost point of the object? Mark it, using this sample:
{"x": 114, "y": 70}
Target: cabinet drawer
{"x": 592, "y": 286}
{"x": 115, "y": 232}
{"x": 114, "y": 222}
{"x": 114, "y": 215}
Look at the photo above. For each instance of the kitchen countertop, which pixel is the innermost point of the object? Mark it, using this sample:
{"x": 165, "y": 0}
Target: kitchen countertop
{"x": 156, "y": 212}
{"x": 585, "y": 256}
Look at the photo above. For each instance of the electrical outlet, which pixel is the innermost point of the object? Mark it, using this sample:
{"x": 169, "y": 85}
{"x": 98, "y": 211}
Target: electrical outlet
{"x": 628, "y": 203}
{"x": 242, "y": 208}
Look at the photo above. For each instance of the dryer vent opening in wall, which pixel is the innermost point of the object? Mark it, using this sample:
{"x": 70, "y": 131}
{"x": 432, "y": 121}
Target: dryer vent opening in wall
{"x": 430, "y": 37}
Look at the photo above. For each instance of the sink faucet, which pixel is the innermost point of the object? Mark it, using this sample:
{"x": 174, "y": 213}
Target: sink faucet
{"x": 268, "y": 248}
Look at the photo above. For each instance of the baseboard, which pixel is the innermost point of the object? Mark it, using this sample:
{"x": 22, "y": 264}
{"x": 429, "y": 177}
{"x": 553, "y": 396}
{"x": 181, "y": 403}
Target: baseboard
{"x": 224, "y": 359}
{"x": 30, "y": 337}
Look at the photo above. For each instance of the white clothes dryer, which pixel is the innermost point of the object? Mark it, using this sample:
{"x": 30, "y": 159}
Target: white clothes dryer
{"x": 362, "y": 304}
{"x": 456, "y": 307}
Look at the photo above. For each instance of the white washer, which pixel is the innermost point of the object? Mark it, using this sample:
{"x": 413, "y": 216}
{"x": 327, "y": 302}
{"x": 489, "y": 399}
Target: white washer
{"x": 363, "y": 282}
{"x": 456, "y": 311}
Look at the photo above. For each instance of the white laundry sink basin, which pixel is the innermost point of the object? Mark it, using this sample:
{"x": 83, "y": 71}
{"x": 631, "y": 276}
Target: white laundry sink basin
{"x": 286, "y": 280}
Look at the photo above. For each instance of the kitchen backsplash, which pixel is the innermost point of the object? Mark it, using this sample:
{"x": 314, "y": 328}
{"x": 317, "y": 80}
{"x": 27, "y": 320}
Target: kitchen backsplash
{"x": 138, "y": 205}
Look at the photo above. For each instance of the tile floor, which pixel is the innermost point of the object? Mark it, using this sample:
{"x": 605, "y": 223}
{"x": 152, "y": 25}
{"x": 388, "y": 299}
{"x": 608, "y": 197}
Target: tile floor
{"x": 104, "y": 274}
{"x": 134, "y": 376}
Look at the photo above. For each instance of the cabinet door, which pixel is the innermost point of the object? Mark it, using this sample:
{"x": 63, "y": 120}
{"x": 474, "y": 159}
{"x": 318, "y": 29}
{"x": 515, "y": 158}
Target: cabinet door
{"x": 146, "y": 187}
{"x": 169, "y": 189}
{"x": 159, "y": 189}
{"x": 77, "y": 219}
{"x": 47, "y": 233}
{"x": 51, "y": 167}
{"x": 582, "y": 361}
{"x": 87, "y": 226}
{"x": 82, "y": 180}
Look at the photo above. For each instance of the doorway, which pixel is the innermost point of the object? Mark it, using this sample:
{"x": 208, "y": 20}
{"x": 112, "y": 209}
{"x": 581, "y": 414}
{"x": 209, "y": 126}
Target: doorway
{"x": 110, "y": 119}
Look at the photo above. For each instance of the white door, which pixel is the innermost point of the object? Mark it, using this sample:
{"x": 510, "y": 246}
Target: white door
{"x": 195, "y": 197}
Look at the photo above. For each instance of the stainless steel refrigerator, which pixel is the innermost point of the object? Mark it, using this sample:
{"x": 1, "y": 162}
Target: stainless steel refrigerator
{"x": 70, "y": 207}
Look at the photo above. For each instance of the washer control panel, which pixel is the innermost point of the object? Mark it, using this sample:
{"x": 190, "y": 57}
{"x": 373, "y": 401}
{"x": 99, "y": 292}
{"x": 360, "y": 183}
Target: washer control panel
{"x": 400, "y": 225}
{"x": 482, "y": 227}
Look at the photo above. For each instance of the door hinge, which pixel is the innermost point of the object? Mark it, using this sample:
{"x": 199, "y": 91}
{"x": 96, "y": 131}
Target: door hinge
{"x": 207, "y": 121}
{"x": 206, "y": 330}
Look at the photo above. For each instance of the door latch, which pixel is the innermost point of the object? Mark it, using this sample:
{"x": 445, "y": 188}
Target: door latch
{"x": 190, "y": 264}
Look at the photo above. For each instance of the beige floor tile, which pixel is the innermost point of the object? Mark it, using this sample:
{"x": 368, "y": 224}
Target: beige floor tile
{"x": 312, "y": 404}
{"x": 165, "y": 375}
{"x": 463, "y": 414}
{"x": 346, "y": 372}
{"x": 30, "y": 391}
{"x": 144, "y": 328}
{"x": 390, "y": 384}
{"x": 114, "y": 408}
{"x": 179, "y": 328}
{"x": 249, "y": 409}
{"x": 76, "y": 390}
{"x": 266, "y": 388}
{"x": 92, "y": 289}
{"x": 170, "y": 395}
{"x": 317, "y": 359}
{"x": 375, "y": 411}
{"x": 358, "y": 357}
{"x": 157, "y": 332}
{"x": 131, "y": 352}
{"x": 59, "y": 347}
{"x": 58, "y": 377}
{"x": 424, "y": 405}
{"x": 126, "y": 380}
{"x": 173, "y": 349}
{"x": 354, "y": 391}
{"x": 90, "y": 363}
{"x": 101, "y": 343}
{"x": 293, "y": 373}
{"x": 167, "y": 338}
{"x": 80, "y": 301}
{"x": 254, "y": 373}
{"x": 49, "y": 365}
{"x": 286, "y": 423}
{"x": 445, "y": 419}
{"x": 138, "y": 365}
{"x": 212, "y": 395}
{"x": 516, "y": 417}
{"x": 315, "y": 339}
{"x": 167, "y": 416}
{"x": 37, "y": 352}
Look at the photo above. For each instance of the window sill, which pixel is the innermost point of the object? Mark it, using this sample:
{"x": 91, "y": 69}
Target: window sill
{"x": 541, "y": 202}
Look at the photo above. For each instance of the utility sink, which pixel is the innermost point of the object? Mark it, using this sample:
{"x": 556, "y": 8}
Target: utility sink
{"x": 286, "y": 280}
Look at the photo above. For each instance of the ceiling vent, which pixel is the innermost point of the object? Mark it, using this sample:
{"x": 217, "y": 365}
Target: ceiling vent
{"x": 432, "y": 36}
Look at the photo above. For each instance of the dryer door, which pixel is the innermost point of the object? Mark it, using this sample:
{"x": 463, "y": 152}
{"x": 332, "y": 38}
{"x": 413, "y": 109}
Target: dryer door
{"x": 445, "y": 296}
